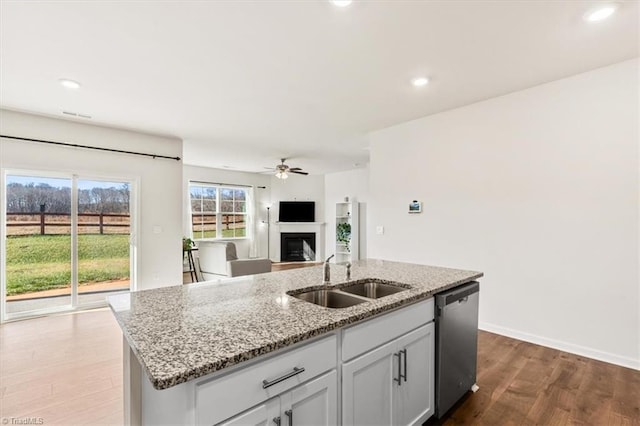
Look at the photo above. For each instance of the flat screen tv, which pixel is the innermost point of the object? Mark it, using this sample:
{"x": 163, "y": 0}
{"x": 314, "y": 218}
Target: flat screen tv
{"x": 297, "y": 211}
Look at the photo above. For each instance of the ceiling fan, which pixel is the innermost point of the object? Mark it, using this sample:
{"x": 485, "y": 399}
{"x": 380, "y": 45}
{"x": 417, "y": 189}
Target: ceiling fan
{"x": 283, "y": 170}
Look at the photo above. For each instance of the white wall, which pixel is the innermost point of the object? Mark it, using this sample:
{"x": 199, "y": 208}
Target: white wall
{"x": 539, "y": 189}
{"x": 160, "y": 189}
{"x": 355, "y": 185}
{"x": 262, "y": 197}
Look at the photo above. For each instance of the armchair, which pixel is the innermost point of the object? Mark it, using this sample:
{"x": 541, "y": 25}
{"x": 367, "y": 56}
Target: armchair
{"x": 219, "y": 258}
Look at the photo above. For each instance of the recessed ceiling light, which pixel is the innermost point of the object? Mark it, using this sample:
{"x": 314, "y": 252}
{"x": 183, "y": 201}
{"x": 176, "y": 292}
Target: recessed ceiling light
{"x": 69, "y": 84}
{"x": 420, "y": 81}
{"x": 341, "y": 3}
{"x": 602, "y": 12}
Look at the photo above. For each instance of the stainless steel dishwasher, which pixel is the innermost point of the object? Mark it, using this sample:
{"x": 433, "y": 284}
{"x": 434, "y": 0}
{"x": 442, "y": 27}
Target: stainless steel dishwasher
{"x": 456, "y": 344}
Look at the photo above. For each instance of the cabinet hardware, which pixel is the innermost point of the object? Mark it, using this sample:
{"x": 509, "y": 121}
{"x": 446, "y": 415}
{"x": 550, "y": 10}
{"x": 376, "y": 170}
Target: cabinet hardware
{"x": 296, "y": 371}
{"x": 276, "y": 420}
{"x": 399, "y": 378}
{"x": 404, "y": 353}
{"x": 289, "y": 413}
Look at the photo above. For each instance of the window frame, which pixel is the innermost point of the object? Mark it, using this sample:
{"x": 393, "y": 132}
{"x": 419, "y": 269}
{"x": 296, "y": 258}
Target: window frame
{"x": 199, "y": 235}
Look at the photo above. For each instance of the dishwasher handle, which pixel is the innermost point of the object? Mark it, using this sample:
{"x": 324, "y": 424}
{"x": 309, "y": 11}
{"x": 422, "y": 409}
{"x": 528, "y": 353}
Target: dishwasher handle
{"x": 457, "y": 294}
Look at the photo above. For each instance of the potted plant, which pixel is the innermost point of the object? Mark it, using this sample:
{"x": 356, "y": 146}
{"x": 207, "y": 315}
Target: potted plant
{"x": 343, "y": 234}
{"x": 187, "y": 243}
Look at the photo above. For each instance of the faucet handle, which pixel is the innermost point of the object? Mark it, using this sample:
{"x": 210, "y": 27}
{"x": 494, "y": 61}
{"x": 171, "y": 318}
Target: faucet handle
{"x": 348, "y": 271}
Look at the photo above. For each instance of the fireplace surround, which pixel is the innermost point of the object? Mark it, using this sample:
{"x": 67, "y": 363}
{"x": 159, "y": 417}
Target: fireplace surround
{"x": 297, "y": 246}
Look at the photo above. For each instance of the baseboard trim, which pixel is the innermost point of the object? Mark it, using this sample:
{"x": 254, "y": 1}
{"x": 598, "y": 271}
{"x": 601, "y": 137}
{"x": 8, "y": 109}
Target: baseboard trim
{"x": 562, "y": 346}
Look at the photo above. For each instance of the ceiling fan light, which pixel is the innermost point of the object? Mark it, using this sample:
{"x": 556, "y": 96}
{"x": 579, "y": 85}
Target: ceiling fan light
{"x": 281, "y": 174}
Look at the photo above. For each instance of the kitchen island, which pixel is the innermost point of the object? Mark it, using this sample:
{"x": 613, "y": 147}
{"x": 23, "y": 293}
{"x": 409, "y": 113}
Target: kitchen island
{"x": 192, "y": 351}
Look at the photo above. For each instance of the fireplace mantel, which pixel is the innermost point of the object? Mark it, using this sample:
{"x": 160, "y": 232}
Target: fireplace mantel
{"x": 315, "y": 227}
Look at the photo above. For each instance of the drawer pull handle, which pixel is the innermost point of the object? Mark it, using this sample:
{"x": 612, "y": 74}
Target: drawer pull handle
{"x": 289, "y": 413}
{"x": 295, "y": 372}
{"x": 276, "y": 420}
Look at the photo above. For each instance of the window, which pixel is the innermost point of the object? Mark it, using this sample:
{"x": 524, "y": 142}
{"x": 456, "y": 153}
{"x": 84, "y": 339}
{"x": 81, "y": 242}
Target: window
{"x": 218, "y": 211}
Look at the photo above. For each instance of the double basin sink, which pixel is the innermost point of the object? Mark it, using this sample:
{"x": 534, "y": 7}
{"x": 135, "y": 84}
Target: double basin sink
{"x": 359, "y": 291}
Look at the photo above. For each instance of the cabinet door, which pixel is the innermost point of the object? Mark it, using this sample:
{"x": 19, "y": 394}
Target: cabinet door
{"x": 414, "y": 398}
{"x": 367, "y": 387}
{"x": 313, "y": 404}
{"x": 265, "y": 414}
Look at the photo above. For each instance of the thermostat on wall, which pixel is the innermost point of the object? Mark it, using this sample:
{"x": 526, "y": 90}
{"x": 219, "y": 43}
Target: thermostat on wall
{"x": 415, "y": 207}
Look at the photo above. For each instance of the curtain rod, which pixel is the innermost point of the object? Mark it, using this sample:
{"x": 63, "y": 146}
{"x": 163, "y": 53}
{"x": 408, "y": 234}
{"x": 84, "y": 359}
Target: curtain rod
{"x": 73, "y": 145}
{"x": 224, "y": 184}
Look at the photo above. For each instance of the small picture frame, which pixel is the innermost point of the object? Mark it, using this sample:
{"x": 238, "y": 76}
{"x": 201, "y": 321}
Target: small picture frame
{"x": 415, "y": 207}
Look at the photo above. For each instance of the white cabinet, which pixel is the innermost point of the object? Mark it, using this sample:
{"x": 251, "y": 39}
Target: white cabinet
{"x": 226, "y": 396}
{"x": 346, "y": 232}
{"x": 314, "y": 403}
{"x": 385, "y": 365}
{"x": 367, "y": 391}
{"x": 393, "y": 384}
{"x": 262, "y": 415}
{"x": 415, "y": 399}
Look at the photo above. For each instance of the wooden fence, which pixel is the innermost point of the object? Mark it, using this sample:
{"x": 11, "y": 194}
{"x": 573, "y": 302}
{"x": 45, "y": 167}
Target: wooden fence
{"x": 207, "y": 222}
{"x": 26, "y": 222}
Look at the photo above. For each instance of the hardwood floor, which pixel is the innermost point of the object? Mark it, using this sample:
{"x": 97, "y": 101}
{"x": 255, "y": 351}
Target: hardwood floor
{"x": 283, "y": 266}
{"x": 64, "y": 369}
{"x": 67, "y": 370}
{"x": 526, "y": 384}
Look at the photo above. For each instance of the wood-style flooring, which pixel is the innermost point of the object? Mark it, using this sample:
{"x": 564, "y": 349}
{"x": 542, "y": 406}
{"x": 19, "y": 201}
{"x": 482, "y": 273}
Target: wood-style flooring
{"x": 67, "y": 370}
{"x": 62, "y": 369}
{"x": 526, "y": 384}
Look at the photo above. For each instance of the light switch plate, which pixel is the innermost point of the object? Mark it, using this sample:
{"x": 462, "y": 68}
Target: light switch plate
{"x": 380, "y": 230}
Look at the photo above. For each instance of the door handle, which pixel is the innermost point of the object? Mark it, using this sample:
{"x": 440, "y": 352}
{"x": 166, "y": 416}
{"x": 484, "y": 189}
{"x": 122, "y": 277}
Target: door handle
{"x": 276, "y": 420}
{"x": 289, "y": 413}
{"x": 399, "y": 378}
{"x": 404, "y": 353}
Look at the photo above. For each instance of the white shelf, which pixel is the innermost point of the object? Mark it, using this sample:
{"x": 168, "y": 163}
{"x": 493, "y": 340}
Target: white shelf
{"x": 347, "y": 212}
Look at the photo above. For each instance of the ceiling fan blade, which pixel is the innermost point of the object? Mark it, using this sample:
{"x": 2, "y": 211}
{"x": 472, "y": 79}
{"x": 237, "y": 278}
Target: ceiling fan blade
{"x": 295, "y": 168}
{"x": 298, "y": 172}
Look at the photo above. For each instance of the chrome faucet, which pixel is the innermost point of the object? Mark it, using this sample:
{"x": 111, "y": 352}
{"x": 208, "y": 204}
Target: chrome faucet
{"x": 327, "y": 270}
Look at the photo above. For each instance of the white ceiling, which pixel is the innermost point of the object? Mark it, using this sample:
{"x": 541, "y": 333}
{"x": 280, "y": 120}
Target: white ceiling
{"x": 244, "y": 83}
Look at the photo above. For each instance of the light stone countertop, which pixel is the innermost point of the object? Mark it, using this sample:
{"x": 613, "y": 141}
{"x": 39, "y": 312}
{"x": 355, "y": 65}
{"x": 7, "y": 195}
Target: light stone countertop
{"x": 183, "y": 332}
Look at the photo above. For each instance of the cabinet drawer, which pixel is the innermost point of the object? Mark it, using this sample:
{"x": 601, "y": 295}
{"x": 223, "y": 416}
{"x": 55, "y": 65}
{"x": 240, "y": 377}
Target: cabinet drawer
{"x": 224, "y": 396}
{"x": 370, "y": 334}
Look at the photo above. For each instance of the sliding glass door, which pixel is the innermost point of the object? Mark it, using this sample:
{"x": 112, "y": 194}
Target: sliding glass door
{"x": 67, "y": 242}
{"x": 38, "y": 243}
{"x": 103, "y": 235}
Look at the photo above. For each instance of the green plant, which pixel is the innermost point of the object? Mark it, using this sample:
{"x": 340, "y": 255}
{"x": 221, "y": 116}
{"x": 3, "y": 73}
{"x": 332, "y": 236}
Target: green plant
{"x": 343, "y": 234}
{"x": 187, "y": 243}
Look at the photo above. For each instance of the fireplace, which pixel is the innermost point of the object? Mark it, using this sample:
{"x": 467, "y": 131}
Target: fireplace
{"x": 297, "y": 246}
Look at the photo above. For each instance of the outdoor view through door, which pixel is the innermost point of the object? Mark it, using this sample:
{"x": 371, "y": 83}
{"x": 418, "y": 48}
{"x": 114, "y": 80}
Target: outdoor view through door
{"x": 59, "y": 257}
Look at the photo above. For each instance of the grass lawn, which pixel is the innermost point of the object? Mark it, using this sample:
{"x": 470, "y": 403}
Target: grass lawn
{"x": 43, "y": 262}
{"x": 226, "y": 233}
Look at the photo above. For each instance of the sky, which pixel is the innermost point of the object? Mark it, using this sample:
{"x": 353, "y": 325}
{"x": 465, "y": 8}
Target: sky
{"x": 62, "y": 182}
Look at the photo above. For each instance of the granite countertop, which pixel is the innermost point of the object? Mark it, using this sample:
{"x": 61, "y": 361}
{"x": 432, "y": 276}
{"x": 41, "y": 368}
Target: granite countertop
{"x": 183, "y": 332}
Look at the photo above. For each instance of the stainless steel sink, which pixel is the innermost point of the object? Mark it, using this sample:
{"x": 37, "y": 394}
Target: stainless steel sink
{"x": 329, "y": 298}
{"x": 372, "y": 289}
